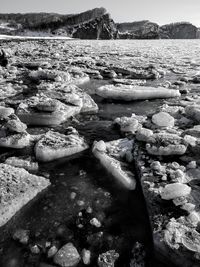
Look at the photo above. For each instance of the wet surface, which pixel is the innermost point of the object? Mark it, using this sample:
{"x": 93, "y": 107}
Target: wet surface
{"x": 80, "y": 183}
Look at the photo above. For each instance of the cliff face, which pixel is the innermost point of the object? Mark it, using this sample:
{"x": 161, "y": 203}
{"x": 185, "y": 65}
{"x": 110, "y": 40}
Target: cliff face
{"x": 99, "y": 28}
{"x": 182, "y": 30}
{"x": 92, "y": 24}
{"x": 138, "y": 30}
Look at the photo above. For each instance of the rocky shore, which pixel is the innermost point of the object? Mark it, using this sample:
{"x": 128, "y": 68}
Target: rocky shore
{"x": 103, "y": 127}
{"x": 91, "y": 24}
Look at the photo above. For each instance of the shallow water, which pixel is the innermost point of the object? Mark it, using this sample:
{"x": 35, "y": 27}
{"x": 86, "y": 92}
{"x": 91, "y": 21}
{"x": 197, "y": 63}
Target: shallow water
{"x": 125, "y": 212}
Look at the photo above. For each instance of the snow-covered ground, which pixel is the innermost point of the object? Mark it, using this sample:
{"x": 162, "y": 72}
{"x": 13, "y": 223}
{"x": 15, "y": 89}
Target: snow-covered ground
{"x": 3, "y": 37}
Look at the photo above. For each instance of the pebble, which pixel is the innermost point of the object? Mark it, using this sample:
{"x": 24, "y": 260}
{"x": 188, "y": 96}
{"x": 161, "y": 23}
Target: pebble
{"x": 22, "y": 236}
{"x": 95, "y": 222}
{"x": 52, "y": 251}
{"x": 86, "y": 256}
{"x": 35, "y": 249}
{"x": 67, "y": 256}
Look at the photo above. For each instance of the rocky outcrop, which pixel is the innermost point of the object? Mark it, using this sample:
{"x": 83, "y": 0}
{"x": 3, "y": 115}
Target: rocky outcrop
{"x": 92, "y": 24}
{"x": 100, "y": 28}
{"x": 138, "y": 30}
{"x": 179, "y": 30}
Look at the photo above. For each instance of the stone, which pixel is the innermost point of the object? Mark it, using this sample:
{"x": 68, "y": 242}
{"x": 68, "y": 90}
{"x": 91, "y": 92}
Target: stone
{"x": 52, "y": 251}
{"x": 54, "y": 145}
{"x": 22, "y": 236}
{"x": 95, "y": 222}
{"x": 175, "y": 190}
{"x": 86, "y": 256}
{"x": 67, "y": 256}
{"x": 131, "y": 93}
{"x": 108, "y": 259}
{"x": 17, "y": 187}
{"x": 163, "y": 119}
{"x": 144, "y": 134}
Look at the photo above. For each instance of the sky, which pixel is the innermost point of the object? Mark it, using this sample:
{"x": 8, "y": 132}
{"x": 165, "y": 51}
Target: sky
{"x": 160, "y": 11}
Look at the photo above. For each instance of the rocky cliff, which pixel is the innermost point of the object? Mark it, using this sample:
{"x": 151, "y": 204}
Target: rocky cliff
{"x": 179, "y": 30}
{"x": 138, "y": 30}
{"x": 92, "y": 24}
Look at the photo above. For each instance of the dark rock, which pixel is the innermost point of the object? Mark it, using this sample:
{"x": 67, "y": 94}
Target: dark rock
{"x": 138, "y": 30}
{"x": 179, "y": 30}
{"x": 3, "y": 58}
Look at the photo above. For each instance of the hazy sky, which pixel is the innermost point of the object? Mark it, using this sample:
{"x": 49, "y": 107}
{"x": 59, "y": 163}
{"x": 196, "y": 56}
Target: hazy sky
{"x": 160, "y": 11}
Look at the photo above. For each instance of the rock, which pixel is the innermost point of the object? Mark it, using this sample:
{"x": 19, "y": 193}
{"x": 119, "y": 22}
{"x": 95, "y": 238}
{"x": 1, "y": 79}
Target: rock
{"x": 175, "y": 190}
{"x": 138, "y": 30}
{"x": 25, "y": 163}
{"x": 3, "y": 58}
{"x": 16, "y": 126}
{"x": 52, "y": 251}
{"x": 35, "y": 249}
{"x": 95, "y": 222}
{"x": 165, "y": 144}
{"x": 67, "y": 256}
{"x": 54, "y": 145}
{"x": 102, "y": 27}
{"x": 108, "y": 259}
{"x": 22, "y": 236}
{"x": 86, "y": 256}
{"x": 163, "y": 119}
{"x": 144, "y": 134}
{"x": 18, "y": 187}
{"x": 131, "y": 93}
{"x": 6, "y": 112}
{"x": 179, "y": 30}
